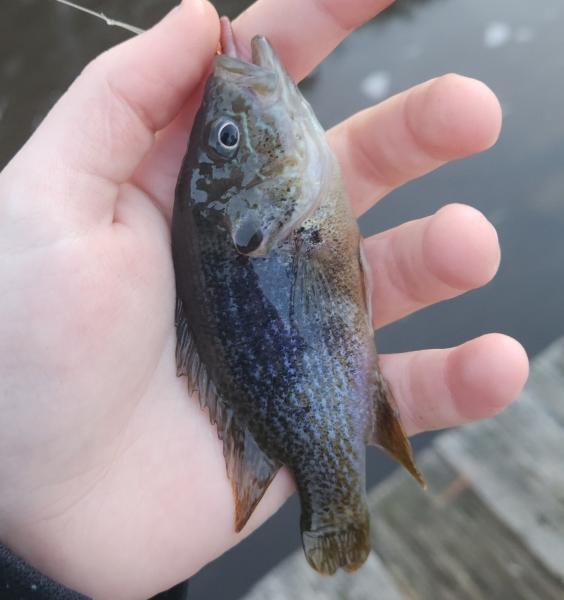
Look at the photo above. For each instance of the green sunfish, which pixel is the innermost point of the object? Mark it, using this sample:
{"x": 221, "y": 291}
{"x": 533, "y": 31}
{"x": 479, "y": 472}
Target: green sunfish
{"x": 273, "y": 306}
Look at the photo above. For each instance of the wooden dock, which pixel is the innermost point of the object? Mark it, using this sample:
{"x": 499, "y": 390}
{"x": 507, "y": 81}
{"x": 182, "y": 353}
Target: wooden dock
{"x": 491, "y": 525}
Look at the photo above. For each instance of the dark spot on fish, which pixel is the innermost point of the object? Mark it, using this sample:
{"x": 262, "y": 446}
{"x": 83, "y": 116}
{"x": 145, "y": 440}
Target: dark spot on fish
{"x": 315, "y": 236}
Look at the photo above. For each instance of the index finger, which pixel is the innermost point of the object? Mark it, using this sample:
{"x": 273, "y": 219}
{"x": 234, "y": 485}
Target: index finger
{"x": 304, "y": 32}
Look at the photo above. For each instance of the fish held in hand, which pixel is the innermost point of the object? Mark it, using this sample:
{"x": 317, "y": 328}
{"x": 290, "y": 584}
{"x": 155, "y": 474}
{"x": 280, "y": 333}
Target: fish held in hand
{"x": 273, "y": 306}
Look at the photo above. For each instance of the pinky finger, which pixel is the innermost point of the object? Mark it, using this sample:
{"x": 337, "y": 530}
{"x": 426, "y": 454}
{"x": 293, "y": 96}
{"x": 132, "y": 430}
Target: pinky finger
{"x": 435, "y": 389}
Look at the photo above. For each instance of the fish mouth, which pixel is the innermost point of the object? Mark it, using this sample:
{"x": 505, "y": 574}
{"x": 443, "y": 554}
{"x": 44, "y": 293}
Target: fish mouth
{"x": 248, "y": 239}
{"x": 259, "y": 69}
{"x": 263, "y": 53}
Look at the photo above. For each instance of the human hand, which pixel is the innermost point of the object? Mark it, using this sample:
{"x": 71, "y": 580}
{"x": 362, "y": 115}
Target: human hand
{"x": 112, "y": 480}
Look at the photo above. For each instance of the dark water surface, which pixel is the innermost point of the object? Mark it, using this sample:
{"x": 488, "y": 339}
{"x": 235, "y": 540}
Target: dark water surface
{"x": 516, "y": 46}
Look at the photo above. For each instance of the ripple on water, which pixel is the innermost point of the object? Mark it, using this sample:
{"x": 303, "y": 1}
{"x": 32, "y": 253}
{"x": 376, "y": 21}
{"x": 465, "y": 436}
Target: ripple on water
{"x": 497, "y": 34}
{"x": 376, "y": 85}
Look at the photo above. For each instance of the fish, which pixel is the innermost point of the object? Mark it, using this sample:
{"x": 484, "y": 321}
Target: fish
{"x": 273, "y": 315}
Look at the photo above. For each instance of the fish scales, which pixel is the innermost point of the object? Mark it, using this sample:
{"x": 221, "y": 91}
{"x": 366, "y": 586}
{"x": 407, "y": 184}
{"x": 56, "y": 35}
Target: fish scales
{"x": 273, "y": 313}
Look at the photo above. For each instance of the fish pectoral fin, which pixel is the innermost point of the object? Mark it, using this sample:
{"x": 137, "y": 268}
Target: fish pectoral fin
{"x": 387, "y": 430}
{"x": 311, "y": 289}
{"x": 249, "y": 470}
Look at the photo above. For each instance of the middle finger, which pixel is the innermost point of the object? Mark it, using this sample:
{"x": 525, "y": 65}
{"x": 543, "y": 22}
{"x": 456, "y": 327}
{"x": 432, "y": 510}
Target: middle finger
{"x": 429, "y": 260}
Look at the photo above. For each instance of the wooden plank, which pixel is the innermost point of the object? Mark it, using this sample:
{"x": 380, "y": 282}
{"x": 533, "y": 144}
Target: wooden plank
{"x": 445, "y": 544}
{"x": 515, "y": 464}
{"x": 546, "y": 382}
{"x": 294, "y": 579}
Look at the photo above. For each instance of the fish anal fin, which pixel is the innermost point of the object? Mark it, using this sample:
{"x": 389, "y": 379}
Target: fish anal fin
{"x": 387, "y": 430}
{"x": 249, "y": 470}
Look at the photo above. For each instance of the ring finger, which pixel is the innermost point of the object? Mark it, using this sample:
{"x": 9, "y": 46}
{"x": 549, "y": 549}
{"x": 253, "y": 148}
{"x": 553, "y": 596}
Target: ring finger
{"x": 429, "y": 260}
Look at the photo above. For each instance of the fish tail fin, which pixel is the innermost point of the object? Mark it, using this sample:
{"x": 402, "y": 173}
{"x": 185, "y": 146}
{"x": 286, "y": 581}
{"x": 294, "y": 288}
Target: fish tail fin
{"x": 345, "y": 546}
{"x": 388, "y": 432}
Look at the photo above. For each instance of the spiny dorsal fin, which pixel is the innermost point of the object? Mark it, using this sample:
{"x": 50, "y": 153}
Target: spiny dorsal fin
{"x": 248, "y": 468}
{"x": 387, "y": 430}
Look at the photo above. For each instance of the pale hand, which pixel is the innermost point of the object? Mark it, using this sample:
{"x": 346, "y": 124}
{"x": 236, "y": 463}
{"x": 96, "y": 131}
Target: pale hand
{"x": 112, "y": 480}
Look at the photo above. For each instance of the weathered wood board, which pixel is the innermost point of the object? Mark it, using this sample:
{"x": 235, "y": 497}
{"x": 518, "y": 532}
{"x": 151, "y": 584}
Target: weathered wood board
{"x": 490, "y": 527}
{"x": 448, "y": 545}
{"x": 295, "y": 579}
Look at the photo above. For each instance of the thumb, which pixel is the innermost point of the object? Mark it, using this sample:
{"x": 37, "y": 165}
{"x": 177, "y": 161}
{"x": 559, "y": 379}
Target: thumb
{"x": 101, "y": 128}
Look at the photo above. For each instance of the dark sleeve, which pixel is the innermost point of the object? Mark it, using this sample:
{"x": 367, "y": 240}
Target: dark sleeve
{"x": 20, "y": 581}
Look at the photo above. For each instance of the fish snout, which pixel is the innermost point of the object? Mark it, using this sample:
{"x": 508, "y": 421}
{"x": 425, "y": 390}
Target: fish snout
{"x": 247, "y": 237}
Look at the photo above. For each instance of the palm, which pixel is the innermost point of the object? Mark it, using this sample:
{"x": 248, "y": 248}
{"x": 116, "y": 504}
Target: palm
{"x": 116, "y": 480}
{"x": 128, "y": 437}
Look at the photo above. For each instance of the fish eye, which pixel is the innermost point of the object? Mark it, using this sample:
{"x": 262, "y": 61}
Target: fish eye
{"x": 229, "y": 135}
{"x": 224, "y": 137}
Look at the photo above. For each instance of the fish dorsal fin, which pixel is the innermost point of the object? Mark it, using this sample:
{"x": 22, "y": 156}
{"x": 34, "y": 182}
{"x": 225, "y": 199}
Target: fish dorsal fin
{"x": 248, "y": 468}
{"x": 386, "y": 429}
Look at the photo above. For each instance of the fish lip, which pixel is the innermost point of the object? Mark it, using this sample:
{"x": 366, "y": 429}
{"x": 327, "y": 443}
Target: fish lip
{"x": 235, "y": 66}
{"x": 261, "y": 61}
{"x": 259, "y": 252}
{"x": 263, "y": 53}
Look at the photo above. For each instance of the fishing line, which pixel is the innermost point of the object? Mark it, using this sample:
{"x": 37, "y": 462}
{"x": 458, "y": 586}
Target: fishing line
{"x": 103, "y": 17}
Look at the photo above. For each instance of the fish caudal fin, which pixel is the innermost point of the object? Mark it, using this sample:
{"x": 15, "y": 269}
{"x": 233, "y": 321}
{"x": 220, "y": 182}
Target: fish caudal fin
{"x": 387, "y": 430}
{"x": 345, "y": 547}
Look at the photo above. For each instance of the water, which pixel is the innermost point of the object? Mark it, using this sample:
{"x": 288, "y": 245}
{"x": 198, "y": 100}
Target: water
{"x": 513, "y": 45}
